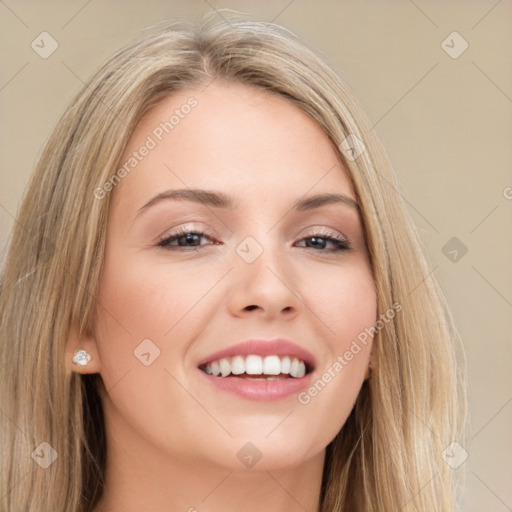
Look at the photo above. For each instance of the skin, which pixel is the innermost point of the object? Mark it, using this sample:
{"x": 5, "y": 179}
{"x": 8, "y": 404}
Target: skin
{"x": 172, "y": 438}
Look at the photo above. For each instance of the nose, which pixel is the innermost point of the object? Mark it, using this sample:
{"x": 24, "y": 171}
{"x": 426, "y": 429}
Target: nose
{"x": 266, "y": 288}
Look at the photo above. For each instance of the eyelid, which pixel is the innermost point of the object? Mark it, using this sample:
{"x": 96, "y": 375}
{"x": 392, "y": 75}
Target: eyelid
{"x": 191, "y": 227}
{"x": 187, "y": 228}
{"x": 323, "y": 230}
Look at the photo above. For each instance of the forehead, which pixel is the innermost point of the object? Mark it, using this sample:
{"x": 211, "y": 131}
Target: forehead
{"x": 249, "y": 143}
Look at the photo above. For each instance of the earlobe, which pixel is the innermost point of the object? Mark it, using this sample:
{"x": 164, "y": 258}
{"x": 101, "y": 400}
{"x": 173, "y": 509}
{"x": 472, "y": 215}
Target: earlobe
{"x": 81, "y": 358}
{"x": 81, "y": 354}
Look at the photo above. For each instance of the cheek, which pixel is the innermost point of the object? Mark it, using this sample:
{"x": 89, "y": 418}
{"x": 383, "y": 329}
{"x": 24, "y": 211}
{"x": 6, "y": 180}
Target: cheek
{"x": 344, "y": 300}
{"x": 138, "y": 302}
{"x": 143, "y": 326}
{"x": 346, "y": 303}
{"x": 147, "y": 298}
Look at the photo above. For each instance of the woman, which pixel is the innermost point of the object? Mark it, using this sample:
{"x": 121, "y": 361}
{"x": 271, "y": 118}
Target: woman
{"x": 214, "y": 297}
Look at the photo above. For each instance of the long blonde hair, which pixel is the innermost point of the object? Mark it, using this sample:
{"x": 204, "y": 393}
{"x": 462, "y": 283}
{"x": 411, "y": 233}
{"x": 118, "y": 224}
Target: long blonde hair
{"x": 387, "y": 456}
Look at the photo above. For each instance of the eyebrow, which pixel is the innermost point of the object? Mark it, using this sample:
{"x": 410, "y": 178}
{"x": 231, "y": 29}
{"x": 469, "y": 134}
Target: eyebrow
{"x": 221, "y": 200}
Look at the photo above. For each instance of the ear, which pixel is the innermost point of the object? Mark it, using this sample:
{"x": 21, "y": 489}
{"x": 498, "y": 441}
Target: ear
{"x": 85, "y": 342}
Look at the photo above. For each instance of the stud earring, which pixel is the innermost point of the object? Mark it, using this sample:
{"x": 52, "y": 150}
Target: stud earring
{"x": 81, "y": 358}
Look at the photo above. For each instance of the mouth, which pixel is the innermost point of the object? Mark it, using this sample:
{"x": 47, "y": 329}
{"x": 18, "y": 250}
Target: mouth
{"x": 260, "y": 370}
{"x": 255, "y": 367}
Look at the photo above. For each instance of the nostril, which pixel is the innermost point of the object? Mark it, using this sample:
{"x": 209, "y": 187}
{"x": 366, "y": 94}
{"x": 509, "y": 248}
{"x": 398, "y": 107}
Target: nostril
{"x": 250, "y": 308}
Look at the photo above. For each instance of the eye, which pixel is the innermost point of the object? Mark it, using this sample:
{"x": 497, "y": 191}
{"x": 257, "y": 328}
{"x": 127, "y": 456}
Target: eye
{"x": 320, "y": 241}
{"x": 191, "y": 239}
{"x": 185, "y": 238}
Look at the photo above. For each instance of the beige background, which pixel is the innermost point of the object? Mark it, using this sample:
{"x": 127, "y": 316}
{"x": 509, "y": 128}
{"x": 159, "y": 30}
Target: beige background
{"x": 446, "y": 123}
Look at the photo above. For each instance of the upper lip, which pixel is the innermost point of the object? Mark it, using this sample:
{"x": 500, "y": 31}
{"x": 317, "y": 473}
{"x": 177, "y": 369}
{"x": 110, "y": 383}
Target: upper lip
{"x": 279, "y": 347}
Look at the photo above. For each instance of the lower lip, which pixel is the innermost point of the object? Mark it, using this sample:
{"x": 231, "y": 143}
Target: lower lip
{"x": 260, "y": 390}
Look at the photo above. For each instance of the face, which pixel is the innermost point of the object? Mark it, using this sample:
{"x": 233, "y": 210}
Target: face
{"x": 242, "y": 262}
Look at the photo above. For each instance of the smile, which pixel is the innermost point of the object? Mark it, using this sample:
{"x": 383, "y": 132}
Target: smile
{"x": 262, "y": 370}
{"x": 272, "y": 367}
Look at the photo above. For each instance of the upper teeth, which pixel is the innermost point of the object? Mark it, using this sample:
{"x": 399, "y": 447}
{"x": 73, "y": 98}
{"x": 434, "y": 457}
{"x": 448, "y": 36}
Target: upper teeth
{"x": 256, "y": 365}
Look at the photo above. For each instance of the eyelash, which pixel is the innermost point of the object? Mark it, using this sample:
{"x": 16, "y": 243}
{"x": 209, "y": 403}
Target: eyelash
{"x": 340, "y": 243}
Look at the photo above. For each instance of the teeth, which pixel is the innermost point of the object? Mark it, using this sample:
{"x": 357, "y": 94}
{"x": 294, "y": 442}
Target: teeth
{"x": 215, "y": 368}
{"x": 238, "y": 365}
{"x": 294, "y": 370}
{"x": 285, "y": 364}
{"x": 253, "y": 365}
{"x": 298, "y": 368}
{"x": 225, "y": 367}
{"x": 270, "y": 366}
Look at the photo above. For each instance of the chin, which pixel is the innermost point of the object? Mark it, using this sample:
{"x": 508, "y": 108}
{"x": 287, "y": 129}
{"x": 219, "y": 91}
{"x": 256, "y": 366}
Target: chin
{"x": 257, "y": 453}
